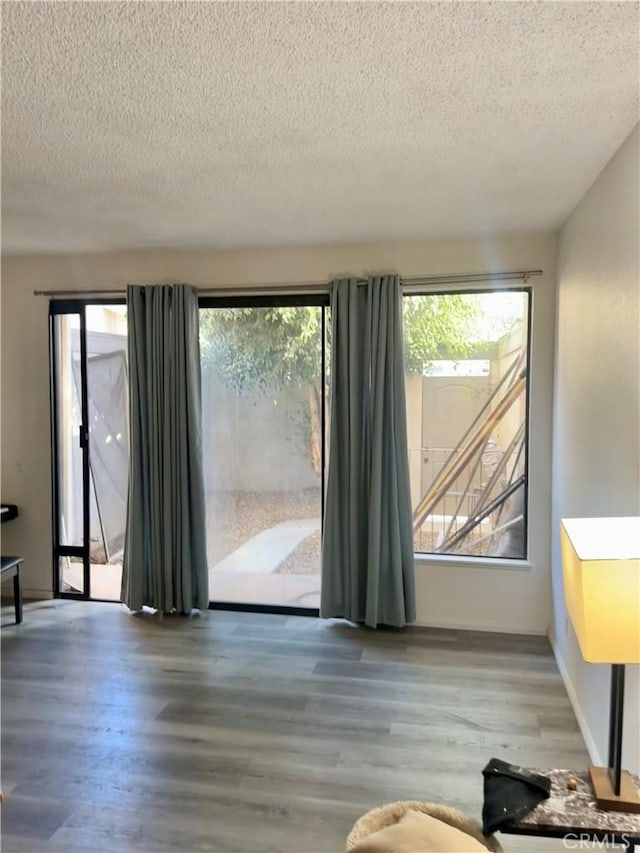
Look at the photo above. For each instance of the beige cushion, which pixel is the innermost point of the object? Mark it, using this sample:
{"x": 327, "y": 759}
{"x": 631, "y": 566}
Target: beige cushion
{"x": 416, "y": 832}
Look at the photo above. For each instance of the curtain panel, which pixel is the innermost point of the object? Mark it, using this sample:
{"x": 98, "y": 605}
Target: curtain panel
{"x": 367, "y": 555}
{"x": 165, "y": 558}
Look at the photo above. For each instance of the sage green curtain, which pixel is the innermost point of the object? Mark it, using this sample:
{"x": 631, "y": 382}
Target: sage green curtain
{"x": 367, "y": 551}
{"x": 165, "y": 555}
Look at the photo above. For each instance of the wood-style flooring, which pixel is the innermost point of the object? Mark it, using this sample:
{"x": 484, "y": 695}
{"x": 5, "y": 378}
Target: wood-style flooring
{"x": 239, "y": 732}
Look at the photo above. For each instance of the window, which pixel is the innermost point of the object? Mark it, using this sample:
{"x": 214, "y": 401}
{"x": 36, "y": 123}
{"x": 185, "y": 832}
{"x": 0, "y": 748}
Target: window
{"x": 467, "y": 358}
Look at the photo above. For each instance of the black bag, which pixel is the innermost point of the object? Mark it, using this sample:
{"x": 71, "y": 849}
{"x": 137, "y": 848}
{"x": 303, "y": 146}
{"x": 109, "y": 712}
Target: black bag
{"x": 510, "y": 792}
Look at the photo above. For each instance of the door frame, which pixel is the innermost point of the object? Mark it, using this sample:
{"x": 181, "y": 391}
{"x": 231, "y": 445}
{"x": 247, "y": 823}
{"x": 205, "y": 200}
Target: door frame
{"x": 58, "y": 307}
{"x": 282, "y": 301}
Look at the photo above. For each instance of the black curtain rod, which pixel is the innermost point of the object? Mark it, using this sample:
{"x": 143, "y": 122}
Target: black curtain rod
{"x": 310, "y": 286}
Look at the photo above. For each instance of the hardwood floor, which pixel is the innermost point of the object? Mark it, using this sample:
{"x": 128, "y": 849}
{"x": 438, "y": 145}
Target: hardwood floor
{"x": 251, "y": 732}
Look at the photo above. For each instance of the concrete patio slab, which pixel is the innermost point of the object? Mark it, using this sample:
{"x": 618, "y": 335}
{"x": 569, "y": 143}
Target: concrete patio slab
{"x": 263, "y": 553}
{"x": 248, "y": 575}
{"x": 275, "y": 589}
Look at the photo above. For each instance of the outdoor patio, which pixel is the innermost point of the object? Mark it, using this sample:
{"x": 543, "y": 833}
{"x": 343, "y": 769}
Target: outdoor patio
{"x": 228, "y": 586}
{"x": 262, "y": 548}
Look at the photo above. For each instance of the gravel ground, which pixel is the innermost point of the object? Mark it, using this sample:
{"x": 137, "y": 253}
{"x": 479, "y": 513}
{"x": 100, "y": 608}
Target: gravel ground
{"x": 235, "y": 517}
{"x": 305, "y": 560}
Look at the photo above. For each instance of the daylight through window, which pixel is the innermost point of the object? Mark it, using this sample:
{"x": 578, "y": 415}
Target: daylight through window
{"x": 466, "y": 358}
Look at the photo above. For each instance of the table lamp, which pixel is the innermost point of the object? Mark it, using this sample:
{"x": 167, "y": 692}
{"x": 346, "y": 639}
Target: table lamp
{"x": 601, "y": 571}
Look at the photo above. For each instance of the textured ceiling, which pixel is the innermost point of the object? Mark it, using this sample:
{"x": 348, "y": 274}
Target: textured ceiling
{"x": 241, "y": 124}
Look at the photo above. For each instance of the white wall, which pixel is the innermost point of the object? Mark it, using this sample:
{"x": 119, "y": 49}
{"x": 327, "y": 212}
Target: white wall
{"x": 596, "y": 460}
{"x": 449, "y": 593}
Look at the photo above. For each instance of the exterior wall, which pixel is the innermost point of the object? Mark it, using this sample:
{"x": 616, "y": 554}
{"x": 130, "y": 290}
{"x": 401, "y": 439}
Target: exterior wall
{"x": 414, "y": 388}
{"x": 450, "y": 592}
{"x": 596, "y": 460}
{"x": 253, "y": 441}
{"x": 508, "y": 349}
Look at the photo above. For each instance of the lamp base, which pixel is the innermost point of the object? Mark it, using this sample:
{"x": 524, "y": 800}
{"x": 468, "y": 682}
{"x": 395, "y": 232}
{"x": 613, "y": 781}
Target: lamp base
{"x": 628, "y": 799}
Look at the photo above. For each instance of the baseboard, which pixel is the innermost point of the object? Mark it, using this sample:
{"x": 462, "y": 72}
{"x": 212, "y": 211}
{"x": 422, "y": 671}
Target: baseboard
{"x": 585, "y": 731}
{"x": 36, "y": 594}
{"x": 461, "y": 625}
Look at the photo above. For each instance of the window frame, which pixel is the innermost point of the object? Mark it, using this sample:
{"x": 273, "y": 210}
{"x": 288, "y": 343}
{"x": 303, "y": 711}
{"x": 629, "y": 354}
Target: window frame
{"x": 517, "y": 563}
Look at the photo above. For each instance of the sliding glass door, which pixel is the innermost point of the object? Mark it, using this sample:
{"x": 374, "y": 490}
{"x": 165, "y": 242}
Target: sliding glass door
{"x": 263, "y": 369}
{"x": 90, "y": 447}
{"x": 264, "y": 400}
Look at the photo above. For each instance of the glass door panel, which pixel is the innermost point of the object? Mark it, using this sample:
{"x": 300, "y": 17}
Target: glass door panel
{"x": 91, "y": 447}
{"x": 69, "y": 439}
{"x": 107, "y": 404}
{"x": 263, "y": 406}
